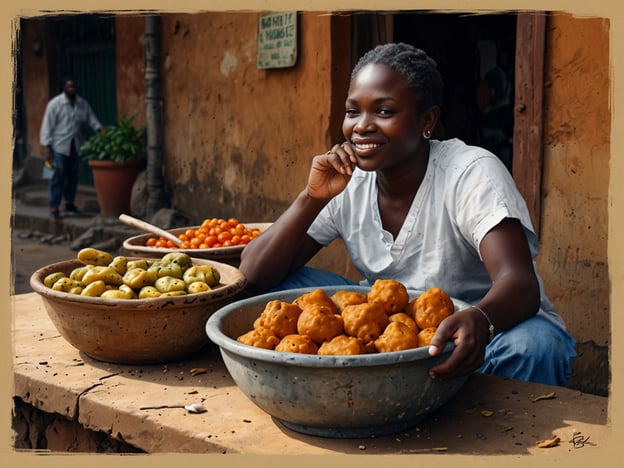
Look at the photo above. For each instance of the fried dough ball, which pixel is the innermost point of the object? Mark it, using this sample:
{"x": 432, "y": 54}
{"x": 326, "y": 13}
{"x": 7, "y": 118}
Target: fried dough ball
{"x": 405, "y": 319}
{"x": 319, "y": 323}
{"x": 301, "y": 344}
{"x": 390, "y": 294}
{"x": 364, "y": 321}
{"x": 350, "y": 322}
{"x": 342, "y": 345}
{"x": 431, "y": 307}
{"x": 345, "y": 298}
{"x": 260, "y": 338}
{"x": 396, "y": 337}
{"x": 425, "y": 335}
{"x": 317, "y": 297}
{"x": 370, "y": 347}
{"x": 280, "y": 317}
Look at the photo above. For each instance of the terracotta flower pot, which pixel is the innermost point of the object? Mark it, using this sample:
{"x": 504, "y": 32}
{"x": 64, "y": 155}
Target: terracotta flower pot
{"x": 113, "y": 184}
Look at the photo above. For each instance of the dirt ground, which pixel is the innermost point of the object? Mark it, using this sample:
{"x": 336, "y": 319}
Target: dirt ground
{"x": 30, "y": 253}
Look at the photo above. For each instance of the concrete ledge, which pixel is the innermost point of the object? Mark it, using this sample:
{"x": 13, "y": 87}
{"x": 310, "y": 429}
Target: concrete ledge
{"x": 144, "y": 406}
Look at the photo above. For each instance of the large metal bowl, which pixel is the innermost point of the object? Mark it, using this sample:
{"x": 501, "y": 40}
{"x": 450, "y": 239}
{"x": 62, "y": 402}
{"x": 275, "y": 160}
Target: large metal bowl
{"x": 331, "y": 396}
{"x": 136, "y": 331}
{"x": 231, "y": 255}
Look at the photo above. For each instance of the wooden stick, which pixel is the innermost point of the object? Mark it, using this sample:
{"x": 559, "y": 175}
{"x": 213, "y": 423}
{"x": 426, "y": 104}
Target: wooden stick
{"x": 160, "y": 407}
{"x": 147, "y": 227}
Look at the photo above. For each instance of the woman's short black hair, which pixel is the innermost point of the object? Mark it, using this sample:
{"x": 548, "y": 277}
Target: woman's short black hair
{"x": 420, "y": 70}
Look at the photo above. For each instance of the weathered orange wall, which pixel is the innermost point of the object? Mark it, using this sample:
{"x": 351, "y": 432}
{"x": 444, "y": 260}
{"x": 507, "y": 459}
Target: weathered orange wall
{"x": 130, "y": 66}
{"x": 577, "y": 133}
{"x": 238, "y": 139}
{"x": 34, "y": 82}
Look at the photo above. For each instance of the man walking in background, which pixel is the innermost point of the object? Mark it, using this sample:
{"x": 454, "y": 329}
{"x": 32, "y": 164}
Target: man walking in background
{"x": 61, "y": 135}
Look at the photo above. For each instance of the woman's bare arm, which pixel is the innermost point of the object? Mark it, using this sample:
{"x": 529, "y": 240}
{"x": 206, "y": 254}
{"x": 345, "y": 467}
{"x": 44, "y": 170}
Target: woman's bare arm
{"x": 285, "y": 246}
{"x": 513, "y": 298}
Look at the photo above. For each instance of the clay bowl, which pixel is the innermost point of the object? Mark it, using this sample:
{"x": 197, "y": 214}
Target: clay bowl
{"x": 331, "y": 396}
{"x": 230, "y": 255}
{"x": 136, "y": 331}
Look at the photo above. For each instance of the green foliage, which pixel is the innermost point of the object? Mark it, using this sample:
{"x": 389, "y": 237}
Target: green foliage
{"x": 119, "y": 143}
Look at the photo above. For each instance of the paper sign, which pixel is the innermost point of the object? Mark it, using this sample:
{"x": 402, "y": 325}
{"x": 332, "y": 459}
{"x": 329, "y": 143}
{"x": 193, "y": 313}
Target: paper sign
{"x": 277, "y": 40}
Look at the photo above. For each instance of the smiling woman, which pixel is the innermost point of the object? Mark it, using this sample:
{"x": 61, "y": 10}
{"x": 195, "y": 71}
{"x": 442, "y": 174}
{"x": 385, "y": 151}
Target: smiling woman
{"x": 427, "y": 213}
{"x": 387, "y": 122}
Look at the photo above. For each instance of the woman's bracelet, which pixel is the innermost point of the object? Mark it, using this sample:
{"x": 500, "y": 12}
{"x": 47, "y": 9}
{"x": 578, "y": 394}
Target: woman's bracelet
{"x": 490, "y": 327}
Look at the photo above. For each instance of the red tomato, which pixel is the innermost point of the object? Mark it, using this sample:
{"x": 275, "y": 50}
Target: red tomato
{"x": 224, "y": 236}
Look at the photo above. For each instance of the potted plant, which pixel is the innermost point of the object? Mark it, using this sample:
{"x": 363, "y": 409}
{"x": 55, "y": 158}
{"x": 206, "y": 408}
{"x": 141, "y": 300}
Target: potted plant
{"x": 114, "y": 156}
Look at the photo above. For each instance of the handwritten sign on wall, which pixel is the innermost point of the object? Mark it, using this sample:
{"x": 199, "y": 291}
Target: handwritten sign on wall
{"x": 277, "y": 40}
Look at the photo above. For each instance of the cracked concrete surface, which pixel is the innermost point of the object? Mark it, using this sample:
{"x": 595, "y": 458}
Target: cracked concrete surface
{"x": 140, "y": 406}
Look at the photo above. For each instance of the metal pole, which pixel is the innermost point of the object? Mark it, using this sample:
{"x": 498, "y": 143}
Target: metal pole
{"x": 155, "y": 180}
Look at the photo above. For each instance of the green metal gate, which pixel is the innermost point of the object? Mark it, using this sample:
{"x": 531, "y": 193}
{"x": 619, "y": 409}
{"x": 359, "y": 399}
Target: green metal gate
{"x": 86, "y": 50}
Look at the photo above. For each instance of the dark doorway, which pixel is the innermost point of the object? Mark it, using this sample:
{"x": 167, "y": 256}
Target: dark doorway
{"x": 86, "y": 49}
{"x": 478, "y": 101}
{"x": 475, "y": 54}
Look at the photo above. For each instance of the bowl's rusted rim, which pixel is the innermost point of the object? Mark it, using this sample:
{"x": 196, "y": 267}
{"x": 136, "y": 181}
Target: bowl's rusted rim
{"x": 136, "y": 244}
{"x": 230, "y": 345}
{"x": 236, "y": 283}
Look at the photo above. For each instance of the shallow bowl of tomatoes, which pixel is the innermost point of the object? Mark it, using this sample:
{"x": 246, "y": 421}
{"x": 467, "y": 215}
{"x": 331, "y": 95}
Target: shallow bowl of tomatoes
{"x": 217, "y": 239}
